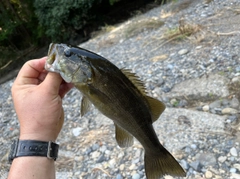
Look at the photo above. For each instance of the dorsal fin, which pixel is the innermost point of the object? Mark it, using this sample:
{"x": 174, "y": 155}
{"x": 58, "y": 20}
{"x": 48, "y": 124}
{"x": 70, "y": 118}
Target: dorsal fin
{"x": 156, "y": 106}
{"x": 135, "y": 80}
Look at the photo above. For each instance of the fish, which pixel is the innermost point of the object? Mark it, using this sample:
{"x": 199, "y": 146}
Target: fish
{"x": 120, "y": 95}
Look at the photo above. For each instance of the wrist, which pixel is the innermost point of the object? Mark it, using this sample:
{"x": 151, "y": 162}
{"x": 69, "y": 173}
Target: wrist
{"x": 36, "y": 136}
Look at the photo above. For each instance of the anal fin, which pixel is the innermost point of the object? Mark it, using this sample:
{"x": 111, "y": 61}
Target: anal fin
{"x": 124, "y": 139}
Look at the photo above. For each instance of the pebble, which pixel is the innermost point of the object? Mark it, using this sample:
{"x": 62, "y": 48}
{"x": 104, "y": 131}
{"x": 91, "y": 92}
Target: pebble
{"x": 215, "y": 104}
{"x": 184, "y": 164}
{"x": 183, "y": 51}
{"x": 233, "y": 152}
{"x": 119, "y": 176}
{"x": 136, "y": 176}
{"x": 234, "y": 103}
{"x": 76, "y": 131}
{"x": 235, "y": 176}
{"x": 208, "y": 174}
{"x": 233, "y": 170}
{"x": 195, "y": 165}
{"x": 207, "y": 159}
{"x": 95, "y": 154}
{"x": 229, "y": 111}
{"x": 205, "y": 108}
{"x": 222, "y": 159}
{"x": 174, "y": 102}
{"x": 236, "y": 79}
{"x": 121, "y": 167}
{"x": 237, "y": 166}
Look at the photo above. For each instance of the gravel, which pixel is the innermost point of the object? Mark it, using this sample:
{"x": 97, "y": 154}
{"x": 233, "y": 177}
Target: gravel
{"x": 196, "y": 77}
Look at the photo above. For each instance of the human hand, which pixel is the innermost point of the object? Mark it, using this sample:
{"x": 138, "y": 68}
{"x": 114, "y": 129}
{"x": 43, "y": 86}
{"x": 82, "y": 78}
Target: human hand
{"x": 37, "y": 96}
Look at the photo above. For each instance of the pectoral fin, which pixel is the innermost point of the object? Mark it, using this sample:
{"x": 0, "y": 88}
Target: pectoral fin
{"x": 85, "y": 106}
{"x": 156, "y": 107}
{"x": 124, "y": 139}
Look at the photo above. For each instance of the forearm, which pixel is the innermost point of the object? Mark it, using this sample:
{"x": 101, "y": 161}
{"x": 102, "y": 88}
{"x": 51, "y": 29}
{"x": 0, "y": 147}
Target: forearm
{"x": 32, "y": 167}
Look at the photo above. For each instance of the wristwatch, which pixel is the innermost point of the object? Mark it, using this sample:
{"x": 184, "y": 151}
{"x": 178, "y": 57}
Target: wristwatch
{"x": 20, "y": 148}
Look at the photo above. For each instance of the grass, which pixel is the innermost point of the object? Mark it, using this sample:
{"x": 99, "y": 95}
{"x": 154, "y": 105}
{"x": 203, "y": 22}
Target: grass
{"x": 136, "y": 27}
{"x": 183, "y": 31}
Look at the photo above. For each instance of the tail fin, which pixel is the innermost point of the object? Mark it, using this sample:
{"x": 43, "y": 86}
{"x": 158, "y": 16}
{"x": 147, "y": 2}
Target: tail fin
{"x": 162, "y": 164}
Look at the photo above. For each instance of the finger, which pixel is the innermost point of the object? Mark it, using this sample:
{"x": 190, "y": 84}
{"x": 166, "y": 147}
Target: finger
{"x": 64, "y": 88}
{"x": 52, "y": 83}
{"x": 30, "y": 71}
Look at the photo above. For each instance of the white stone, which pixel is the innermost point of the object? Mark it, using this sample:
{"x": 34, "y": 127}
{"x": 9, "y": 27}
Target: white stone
{"x": 183, "y": 51}
{"x": 205, "y": 108}
{"x": 229, "y": 111}
{"x": 235, "y": 176}
{"x": 95, "y": 154}
{"x": 233, "y": 152}
{"x": 222, "y": 159}
{"x": 76, "y": 131}
{"x": 208, "y": 174}
{"x": 237, "y": 166}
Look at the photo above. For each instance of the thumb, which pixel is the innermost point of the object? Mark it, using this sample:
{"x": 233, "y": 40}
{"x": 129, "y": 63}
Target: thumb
{"x": 52, "y": 82}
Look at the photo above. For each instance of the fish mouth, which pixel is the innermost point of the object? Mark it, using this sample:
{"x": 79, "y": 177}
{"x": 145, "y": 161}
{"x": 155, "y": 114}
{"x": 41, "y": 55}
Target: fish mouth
{"x": 53, "y": 59}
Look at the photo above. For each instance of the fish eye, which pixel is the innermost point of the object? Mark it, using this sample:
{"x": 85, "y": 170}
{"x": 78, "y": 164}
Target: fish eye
{"x": 67, "y": 53}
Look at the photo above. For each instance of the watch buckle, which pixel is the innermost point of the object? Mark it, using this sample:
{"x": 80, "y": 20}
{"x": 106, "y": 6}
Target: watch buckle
{"x": 49, "y": 150}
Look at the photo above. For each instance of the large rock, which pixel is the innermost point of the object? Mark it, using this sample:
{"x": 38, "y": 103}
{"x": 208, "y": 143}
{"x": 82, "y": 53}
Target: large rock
{"x": 206, "y": 88}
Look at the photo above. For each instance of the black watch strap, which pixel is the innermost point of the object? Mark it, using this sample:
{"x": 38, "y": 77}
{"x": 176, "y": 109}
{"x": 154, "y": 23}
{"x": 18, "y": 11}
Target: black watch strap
{"x": 20, "y": 148}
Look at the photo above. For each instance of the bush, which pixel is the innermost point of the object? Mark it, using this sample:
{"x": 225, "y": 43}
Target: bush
{"x": 60, "y": 18}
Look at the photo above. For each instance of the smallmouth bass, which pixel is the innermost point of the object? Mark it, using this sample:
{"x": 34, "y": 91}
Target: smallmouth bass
{"x": 119, "y": 95}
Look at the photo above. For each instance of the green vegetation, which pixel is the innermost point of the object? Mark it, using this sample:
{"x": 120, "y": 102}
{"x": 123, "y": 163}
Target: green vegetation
{"x": 27, "y": 25}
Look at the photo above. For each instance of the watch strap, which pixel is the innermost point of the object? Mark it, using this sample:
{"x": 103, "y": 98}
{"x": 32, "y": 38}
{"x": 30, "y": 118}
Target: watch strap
{"x": 20, "y": 148}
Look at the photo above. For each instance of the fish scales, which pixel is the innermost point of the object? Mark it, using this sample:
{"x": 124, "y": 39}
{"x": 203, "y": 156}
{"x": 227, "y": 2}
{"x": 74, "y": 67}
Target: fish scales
{"x": 120, "y": 96}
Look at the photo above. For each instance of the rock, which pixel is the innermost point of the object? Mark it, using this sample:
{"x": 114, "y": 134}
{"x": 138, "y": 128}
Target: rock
{"x": 229, "y": 111}
{"x": 205, "y": 108}
{"x": 183, "y": 51}
{"x": 76, "y": 131}
{"x": 136, "y": 176}
{"x": 236, "y": 79}
{"x": 234, "y": 103}
{"x": 184, "y": 164}
{"x": 233, "y": 170}
{"x": 183, "y": 103}
{"x": 215, "y": 104}
{"x": 133, "y": 166}
{"x": 121, "y": 167}
{"x": 195, "y": 165}
{"x": 233, "y": 152}
{"x": 119, "y": 176}
{"x": 237, "y": 166}
{"x": 95, "y": 154}
{"x": 235, "y": 176}
{"x": 208, "y": 174}
{"x": 206, "y": 159}
{"x": 222, "y": 159}
{"x": 101, "y": 158}
{"x": 168, "y": 177}
{"x": 205, "y": 88}
{"x": 95, "y": 147}
{"x": 225, "y": 103}
{"x": 174, "y": 102}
